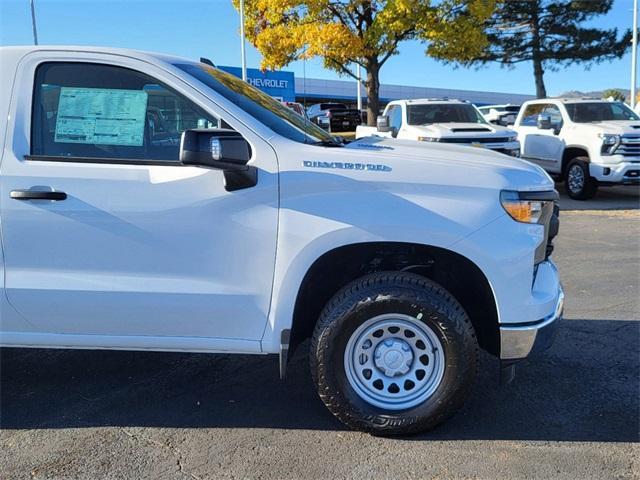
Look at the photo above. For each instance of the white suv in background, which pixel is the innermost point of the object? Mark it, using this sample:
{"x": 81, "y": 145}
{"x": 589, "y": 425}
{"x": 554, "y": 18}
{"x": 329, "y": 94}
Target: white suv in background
{"x": 585, "y": 142}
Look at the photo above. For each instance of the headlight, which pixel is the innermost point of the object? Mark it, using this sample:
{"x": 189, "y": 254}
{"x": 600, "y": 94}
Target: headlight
{"x": 428, "y": 139}
{"x": 512, "y": 138}
{"x": 525, "y": 207}
{"x": 609, "y": 139}
{"x": 609, "y": 143}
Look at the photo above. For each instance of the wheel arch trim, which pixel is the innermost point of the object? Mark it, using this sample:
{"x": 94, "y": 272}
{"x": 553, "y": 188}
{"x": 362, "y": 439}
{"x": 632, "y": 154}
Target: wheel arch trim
{"x": 288, "y": 288}
{"x": 568, "y": 155}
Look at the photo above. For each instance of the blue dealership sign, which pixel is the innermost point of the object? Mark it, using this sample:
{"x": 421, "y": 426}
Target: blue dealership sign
{"x": 278, "y": 84}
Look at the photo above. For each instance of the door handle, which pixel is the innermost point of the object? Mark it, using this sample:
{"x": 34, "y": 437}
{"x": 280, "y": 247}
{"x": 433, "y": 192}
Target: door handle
{"x": 37, "y": 195}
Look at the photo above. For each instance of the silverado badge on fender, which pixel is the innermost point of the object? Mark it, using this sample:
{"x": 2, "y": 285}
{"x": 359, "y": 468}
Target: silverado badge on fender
{"x": 347, "y": 166}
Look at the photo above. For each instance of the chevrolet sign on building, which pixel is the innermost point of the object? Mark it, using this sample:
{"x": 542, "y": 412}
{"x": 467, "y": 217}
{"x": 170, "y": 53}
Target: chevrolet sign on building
{"x": 282, "y": 86}
{"x": 278, "y": 84}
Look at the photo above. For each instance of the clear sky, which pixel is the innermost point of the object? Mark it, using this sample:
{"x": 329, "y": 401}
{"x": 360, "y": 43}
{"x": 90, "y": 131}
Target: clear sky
{"x": 210, "y": 28}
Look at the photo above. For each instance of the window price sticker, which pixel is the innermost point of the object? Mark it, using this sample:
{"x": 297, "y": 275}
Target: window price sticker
{"x": 101, "y": 116}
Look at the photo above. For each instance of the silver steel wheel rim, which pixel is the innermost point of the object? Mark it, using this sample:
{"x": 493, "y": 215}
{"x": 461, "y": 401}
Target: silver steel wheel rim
{"x": 576, "y": 178}
{"x": 394, "y": 361}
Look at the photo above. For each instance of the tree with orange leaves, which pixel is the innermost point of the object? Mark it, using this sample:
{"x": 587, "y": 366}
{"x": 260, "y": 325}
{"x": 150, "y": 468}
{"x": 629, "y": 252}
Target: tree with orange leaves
{"x": 345, "y": 33}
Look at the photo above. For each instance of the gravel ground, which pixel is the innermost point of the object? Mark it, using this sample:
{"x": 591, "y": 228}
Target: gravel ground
{"x": 572, "y": 413}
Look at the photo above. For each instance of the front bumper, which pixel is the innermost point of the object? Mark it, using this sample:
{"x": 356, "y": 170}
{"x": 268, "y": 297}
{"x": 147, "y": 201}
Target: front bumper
{"x": 625, "y": 173}
{"x": 518, "y": 341}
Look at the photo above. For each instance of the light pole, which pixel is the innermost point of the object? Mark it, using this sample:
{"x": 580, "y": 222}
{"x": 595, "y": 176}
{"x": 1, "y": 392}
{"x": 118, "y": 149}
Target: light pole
{"x": 242, "y": 50}
{"x": 359, "y": 89}
{"x": 634, "y": 54}
{"x": 33, "y": 23}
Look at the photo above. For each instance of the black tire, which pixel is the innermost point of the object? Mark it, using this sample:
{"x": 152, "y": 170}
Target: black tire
{"x": 584, "y": 190}
{"x": 400, "y": 293}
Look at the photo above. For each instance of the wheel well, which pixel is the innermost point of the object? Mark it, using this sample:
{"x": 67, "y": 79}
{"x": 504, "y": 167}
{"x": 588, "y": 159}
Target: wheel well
{"x": 336, "y": 268}
{"x": 571, "y": 153}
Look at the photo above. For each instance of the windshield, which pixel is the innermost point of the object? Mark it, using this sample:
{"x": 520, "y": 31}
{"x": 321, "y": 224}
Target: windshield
{"x": 268, "y": 111}
{"x": 586, "y": 112}
{"x": 443, "y": 113}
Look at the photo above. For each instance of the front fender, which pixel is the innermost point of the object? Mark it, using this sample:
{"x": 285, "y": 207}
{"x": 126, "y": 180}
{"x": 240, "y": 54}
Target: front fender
{"x": 292, "y": 266}
{"x": 321, "y": 212}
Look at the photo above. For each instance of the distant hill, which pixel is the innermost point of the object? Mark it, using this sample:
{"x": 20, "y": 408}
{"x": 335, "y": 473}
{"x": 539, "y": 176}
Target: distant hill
{"x": 593, "y": 94}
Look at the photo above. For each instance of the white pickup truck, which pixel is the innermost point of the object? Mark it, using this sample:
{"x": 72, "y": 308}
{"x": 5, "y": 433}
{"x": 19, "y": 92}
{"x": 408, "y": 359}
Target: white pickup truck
{"x": 584, "y": 142}
{"x": 441, "y": 121}
{"x": 150, "y": 202}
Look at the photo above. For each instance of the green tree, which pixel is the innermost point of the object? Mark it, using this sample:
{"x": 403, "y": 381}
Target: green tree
{"x": 615, "y": 94}
{"x": 345, "y": 33}
{"x": 550, "y": 34}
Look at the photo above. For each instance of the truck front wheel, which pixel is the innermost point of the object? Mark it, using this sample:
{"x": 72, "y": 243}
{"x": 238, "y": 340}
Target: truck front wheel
{"x": 393, "y": 354}
{"x": 578, "y": 181}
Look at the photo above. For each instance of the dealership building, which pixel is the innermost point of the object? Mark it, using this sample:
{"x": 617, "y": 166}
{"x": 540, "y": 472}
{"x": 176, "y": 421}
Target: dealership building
{"x": 285, "y": 86}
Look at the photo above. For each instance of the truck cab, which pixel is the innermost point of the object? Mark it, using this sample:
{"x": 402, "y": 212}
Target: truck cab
{"x": 584, "y": 142}
{"x": 442, "y": 121}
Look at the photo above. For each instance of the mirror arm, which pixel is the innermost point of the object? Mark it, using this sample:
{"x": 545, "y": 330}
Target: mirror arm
{"x": 236, "y": 176}
{"x": 238, "y": 179}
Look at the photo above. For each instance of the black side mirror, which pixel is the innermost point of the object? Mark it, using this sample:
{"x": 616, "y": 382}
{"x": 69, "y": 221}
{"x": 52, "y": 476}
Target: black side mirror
{"x": 544, "y": 122}
{"x": 221, "y": 149}
{"x": 382, "y": 123}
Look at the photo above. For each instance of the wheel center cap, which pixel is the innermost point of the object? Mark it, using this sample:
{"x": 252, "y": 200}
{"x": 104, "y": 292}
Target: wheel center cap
{"x": 393, "y": 357}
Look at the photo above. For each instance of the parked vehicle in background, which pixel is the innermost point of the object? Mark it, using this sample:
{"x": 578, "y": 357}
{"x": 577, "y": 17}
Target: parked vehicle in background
{"x": 399, "y": 260}
{"x": 442, "y": 121}
{"x": 296, "y": 107}
{"x": 334, "y": 117}
{"x": 363, "y": 117}
{"x": 504, "y": 115}
{"x": 584, "y": 142}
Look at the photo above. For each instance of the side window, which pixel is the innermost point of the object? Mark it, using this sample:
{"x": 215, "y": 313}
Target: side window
{"x": 555, "y": 115}
{"x": 103, "y": 111}
{"x": 389, "y": 113}
{"x": 530, "y": 115}
{"x": 395, "y": 117}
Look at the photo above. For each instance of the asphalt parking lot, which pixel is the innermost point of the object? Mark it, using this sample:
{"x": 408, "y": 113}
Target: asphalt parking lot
{"x": 607, "y": 198}
{"x": 572, "y": 413}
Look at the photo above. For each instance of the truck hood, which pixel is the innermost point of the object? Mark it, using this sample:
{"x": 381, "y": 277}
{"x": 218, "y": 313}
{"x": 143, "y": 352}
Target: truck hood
{"x": 449, "y": 164}
{"x": 614, "y": 127}
{"x": 445, "y": 130}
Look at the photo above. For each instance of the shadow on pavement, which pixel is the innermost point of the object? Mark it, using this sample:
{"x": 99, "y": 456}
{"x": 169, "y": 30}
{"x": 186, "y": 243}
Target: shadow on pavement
{"x": 607, "y": 198}
{"x": 584, "y": 389}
